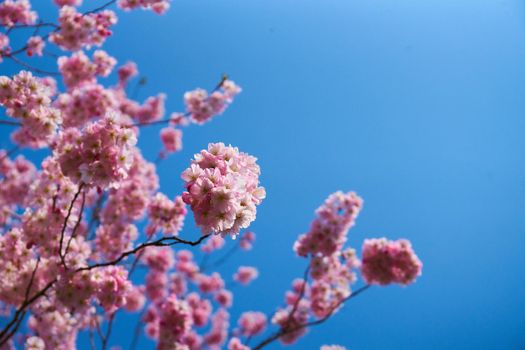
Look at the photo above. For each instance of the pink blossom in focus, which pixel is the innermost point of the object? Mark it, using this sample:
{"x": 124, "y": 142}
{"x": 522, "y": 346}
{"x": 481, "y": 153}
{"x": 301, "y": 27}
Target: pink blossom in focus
{"x": 223, "y": 189}
{"x": 203, "y": 106}
{"x": 99, "y": 155}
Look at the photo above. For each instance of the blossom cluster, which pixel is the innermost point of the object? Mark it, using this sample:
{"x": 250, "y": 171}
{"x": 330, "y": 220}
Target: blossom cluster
{"x": 222, "y": 189}
{"x": 99, "y": 155}
{"x": 202, "y": 106}
{"x": 14, "y": 12}
{"x": 28, "y": 99}
{"x": 79, "y": 30}
{"x": 329, "y": 230}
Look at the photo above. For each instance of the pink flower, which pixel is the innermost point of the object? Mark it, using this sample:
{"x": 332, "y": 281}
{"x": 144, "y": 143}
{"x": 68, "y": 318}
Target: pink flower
{"x": 171, "y": 139}
{"x": 218, "y": 333}
{"x": 99, "y": 155}
{"x": 247, "y": 239}
{"x": 28, "y": 99}
{"x": 386, "y": 262}
{"x": 34, "y": 343}
{"x": 78, "y": 30}
{"x": 252, "y": 323}
{"x": 166, "y": 215}
{"x": 245, "y": 274}
{"x": 157, "y": 6}
{"x": 224, "y": 298}
{"x": 68, "y": 2}
{"x": 328, "y": 231}
{"x": 126, "y": 72}
{"x": 223, "y": 189}
{"x": 235, "y": 344}
{"x": 16, "y": 12}
{"x": 175, "y": 321}
{"x": 332, "y": 347}
{"x": 35, "y": 46}
{"x": 202, "y": 107}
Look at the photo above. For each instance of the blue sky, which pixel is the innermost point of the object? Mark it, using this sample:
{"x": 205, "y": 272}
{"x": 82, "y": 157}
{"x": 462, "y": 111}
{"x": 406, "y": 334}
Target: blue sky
{"x": 415, "y": 105}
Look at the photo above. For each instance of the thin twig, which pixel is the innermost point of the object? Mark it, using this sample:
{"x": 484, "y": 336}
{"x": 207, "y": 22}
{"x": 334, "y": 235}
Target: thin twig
{"x": 79, "y": 220}
{"x": 62, "y": 257}
{"x": 158, "y": 243}
{"x": 30, "y": 67}
{"x": 9, "y": 122}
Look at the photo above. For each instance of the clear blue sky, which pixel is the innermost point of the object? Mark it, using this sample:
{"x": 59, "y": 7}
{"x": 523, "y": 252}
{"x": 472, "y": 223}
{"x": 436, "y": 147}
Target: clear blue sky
{"x": 416, "y": 105}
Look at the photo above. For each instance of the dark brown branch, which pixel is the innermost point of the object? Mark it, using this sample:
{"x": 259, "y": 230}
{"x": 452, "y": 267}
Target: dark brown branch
{"x": 79, "y": 220}
{"x": 7, "y": 333}
{"x": 100, "y": 8}
{"x": 30, "y": 67}
{"x": 158, "y": 243}
{"x": 9, "y": 122}
{"x": 62, "y": 257}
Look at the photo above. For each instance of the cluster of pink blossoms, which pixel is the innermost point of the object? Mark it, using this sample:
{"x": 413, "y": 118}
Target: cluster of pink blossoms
{"x": 202, "y": 106}
{"x": 35, "y": 46}
{"x": 79, "y": 30}
{"x": 166, "y": 215}
{"x": 332, "y": 347}
{"x": 223, "y": 189}
{"x": 329, "y": 230}
{"x": 14, "y": 12}
{"x": 386, "y": 262}
{"x": 28, "y": 99}
{"x": 158, "y": 6}
{"x": 78, "y": 69}
{"x": 99, "y": 155}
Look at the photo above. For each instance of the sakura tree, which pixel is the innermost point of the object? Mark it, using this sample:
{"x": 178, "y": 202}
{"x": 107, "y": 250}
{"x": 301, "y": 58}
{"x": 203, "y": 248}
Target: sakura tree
{"x": 75, "y": 228}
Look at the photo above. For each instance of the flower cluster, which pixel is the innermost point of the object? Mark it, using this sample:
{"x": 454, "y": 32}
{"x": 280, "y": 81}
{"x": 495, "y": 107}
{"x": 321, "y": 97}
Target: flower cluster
{"x": 166, "y": 215}
{"x": 171, "y": 139}
{"x": 332, "y": 347}
{"x": 28, "y": 99}
{"x": 328, "y": 231}
{"x": 35, "y": 46}
{"x": 79, "y": 30}
{"x": 252, "y": 323}
{"x": 84, "y": 103}
{"x": 202, "y": 106}
{"x": 223, "y": 189}
{"x": 245, "y": 274}
{"x": 16, "y": 12}
{"x": 78, "y": 69}
{"x": 157, "y": 6}
{"x": 386, "y": 262}
{"x": 100, "y": 155}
